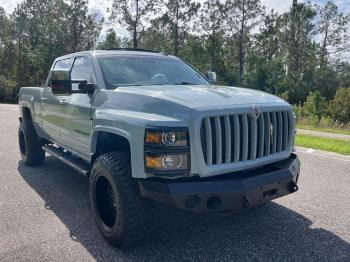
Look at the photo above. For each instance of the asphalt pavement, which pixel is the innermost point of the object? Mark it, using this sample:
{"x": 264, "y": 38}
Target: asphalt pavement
{"x": 45, "y": 215}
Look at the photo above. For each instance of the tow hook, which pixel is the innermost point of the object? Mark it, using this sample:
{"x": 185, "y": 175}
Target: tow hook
{"x": 292, "y": 187}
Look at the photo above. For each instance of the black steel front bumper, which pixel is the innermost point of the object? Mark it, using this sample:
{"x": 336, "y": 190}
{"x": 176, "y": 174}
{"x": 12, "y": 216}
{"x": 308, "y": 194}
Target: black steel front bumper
{"x": 230, "y": 192}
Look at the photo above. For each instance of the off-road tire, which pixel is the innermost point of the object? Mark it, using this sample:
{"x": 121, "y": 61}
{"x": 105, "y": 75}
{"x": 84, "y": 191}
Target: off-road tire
{"x": 132, "y": 212}
{"x": 29, "y": 144}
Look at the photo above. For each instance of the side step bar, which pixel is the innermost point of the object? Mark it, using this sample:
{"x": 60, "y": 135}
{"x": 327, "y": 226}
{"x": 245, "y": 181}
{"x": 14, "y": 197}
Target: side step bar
{"x": 79, "y": 165}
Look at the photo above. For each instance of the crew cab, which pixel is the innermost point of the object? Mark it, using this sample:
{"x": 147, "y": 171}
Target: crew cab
{"x": 146, "y": 127}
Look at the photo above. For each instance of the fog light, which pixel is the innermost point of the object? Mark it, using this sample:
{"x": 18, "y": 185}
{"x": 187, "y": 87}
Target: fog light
{"x": 166, "y": 162}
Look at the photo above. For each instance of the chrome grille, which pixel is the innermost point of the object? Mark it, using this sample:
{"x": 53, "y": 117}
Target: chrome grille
{"x": 235, "y": 138}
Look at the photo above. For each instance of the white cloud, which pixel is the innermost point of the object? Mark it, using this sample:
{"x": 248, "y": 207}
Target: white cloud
{"x": 9, "y": 6}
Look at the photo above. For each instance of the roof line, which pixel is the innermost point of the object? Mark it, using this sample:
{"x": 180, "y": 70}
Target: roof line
{"x": 131, "y": 49}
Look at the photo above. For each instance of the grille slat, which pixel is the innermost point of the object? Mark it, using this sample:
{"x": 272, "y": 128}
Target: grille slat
{"x": 274, "y": 133}
{"x": 261, "y": 135}
{"x": 233, "y": 138}
{"x": 227, "y": 139}
{"x": 245, "y": 137}
{"x": 280, "y": 132}
{"x": 253, "y": 139}
{"x": 237, "y": 137}
{"x": 285, "y": 131}
{"x": 218, "y": 140}
{"x": 267, "y": 134}
{"x": 208, "y": 142}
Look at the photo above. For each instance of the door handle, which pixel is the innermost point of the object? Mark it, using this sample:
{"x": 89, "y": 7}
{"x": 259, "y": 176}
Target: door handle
{"x": 63, "y": 102}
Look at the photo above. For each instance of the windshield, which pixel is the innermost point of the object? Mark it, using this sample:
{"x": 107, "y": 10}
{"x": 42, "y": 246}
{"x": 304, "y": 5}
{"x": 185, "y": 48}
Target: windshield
{"x": 124, "y": 70}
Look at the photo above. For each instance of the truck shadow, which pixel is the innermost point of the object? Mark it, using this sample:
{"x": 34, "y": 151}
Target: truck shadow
{"x": 269, "y": 233}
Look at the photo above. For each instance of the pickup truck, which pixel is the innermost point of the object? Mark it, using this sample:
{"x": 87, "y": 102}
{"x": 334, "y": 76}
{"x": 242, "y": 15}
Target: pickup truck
{"x": 147, "y": 127}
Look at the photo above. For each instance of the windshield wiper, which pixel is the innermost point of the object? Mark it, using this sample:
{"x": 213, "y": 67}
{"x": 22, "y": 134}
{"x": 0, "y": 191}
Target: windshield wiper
{"x": 184, "y": 83}
{"x": 139, "y": 84}
{"x": 123, "y": 85}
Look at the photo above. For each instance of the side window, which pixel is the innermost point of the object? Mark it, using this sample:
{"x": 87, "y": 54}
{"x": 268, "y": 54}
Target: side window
{"x": 81, "y": 71}
{"x": 63, "y": 64}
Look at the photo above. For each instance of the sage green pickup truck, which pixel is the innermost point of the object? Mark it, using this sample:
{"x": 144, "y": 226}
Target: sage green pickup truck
{"x": 147, "y": 127}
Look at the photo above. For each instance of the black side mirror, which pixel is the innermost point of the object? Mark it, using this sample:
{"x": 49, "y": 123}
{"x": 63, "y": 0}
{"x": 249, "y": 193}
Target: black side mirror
{"x": 60, "y": 82}
{"x": 84, "y": 87}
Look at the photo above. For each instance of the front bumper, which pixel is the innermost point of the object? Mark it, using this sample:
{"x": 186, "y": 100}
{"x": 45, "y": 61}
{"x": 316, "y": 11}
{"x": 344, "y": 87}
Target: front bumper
{"x": 230, "y": 192}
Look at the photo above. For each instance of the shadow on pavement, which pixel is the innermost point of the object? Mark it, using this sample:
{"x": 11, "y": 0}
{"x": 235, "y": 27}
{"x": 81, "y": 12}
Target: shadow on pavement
{"x": 269, "y": 233}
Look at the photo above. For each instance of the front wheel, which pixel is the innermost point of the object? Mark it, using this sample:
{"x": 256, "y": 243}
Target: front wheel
{"x": 120, "y": 212}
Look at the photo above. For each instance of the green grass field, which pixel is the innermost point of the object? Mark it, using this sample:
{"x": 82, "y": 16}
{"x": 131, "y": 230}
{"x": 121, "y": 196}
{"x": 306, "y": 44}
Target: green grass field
{"x": 327, "y": 144}
{"x": 324, "y": 129}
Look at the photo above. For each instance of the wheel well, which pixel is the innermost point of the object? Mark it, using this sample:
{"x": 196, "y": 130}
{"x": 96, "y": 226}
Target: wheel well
{"x": 109, "y": 142}
{"x": 26, "y": 113}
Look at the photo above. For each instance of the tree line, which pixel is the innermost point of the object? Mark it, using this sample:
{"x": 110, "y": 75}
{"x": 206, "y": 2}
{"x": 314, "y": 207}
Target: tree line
{"x": 291, "y": 54}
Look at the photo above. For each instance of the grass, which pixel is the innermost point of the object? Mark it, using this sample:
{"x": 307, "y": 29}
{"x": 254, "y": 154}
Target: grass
{"x": 324, "y": 129}
{"x": 327, "y": 144}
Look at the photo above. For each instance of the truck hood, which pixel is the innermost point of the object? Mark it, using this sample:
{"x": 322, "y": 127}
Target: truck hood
{"x": 198, "y": 96}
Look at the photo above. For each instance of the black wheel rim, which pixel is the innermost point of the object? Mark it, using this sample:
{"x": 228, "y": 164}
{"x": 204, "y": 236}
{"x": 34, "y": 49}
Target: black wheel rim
{"x": 22, "y": 144}
{"x": 105, "y": 201}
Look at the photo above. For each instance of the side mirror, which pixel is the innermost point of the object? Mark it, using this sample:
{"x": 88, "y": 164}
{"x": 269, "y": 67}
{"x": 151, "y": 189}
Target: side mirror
{"x": 211, "y": 76}
{"x": 60, "y": 82}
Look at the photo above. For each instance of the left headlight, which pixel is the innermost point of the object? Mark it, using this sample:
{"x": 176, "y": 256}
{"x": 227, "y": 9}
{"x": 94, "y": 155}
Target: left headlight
{"x": 167, "y": 152}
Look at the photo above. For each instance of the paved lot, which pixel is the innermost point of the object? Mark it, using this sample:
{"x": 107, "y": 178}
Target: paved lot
{"x": 45, "y": 216}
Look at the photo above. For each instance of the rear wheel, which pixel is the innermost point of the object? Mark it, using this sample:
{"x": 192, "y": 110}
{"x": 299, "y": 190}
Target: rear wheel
{"x": 122, "y": 215}
{"x": 29, "y": 144}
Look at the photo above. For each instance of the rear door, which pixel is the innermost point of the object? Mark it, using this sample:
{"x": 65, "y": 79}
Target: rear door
{"x": 77, "y": 110}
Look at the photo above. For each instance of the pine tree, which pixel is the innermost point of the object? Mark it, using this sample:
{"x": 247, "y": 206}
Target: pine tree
{"x": 211, "y": 23}
{"x": 111, "y": 41}
{"x": 177, "y": 17}
{"x": 332, "y": 29}
{"x": 243, "y": 17}
{"x": 134, "y": 14}
{"x": 83, "y": 29}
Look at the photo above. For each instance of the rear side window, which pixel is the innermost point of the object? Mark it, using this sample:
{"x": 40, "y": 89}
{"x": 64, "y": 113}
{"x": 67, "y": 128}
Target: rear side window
{"x": 63, "y": 64}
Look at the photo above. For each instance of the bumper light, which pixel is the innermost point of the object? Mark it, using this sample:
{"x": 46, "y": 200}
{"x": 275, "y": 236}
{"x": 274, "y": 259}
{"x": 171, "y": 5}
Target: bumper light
{"x": 167, "y": 162}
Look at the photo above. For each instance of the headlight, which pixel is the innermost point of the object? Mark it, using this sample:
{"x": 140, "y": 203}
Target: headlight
{"x": 166, "y": 162}
{"x": 166, "y": 138}
{"x": 167, "y": 152}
